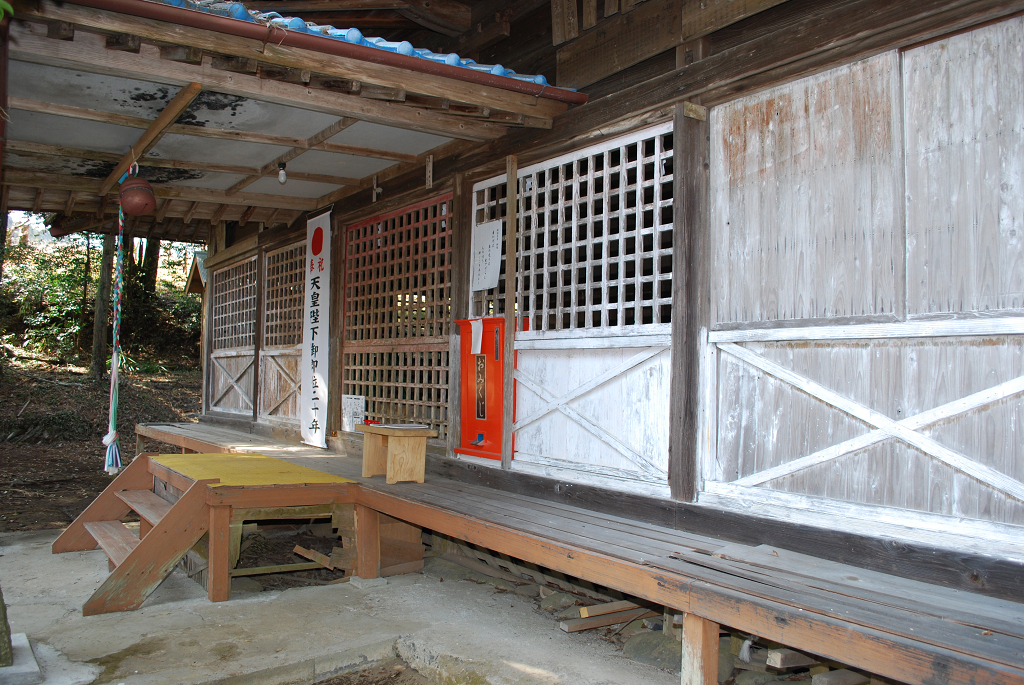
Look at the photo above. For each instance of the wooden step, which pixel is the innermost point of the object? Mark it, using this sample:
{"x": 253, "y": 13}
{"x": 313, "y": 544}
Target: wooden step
{"x": 146, "y": 504}
{"x": 114, "y": 539}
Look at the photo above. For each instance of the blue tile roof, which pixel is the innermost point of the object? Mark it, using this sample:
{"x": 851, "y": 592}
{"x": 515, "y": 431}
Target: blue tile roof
{"x": 236, "y": 10}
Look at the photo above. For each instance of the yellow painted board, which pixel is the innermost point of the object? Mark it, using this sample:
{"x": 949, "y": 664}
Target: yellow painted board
{"x": 243, "y": 469}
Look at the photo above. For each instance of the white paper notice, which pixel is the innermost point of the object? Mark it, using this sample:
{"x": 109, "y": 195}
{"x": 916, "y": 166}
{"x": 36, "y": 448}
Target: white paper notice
{"x": 476, "y": 327}
{"x": 315, "y": 337}
{"x": 486, "y": 265}
{"x": 353, "y": 411}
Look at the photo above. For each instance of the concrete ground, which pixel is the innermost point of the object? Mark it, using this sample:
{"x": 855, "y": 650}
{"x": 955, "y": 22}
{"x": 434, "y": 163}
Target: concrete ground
{"x": 451, "y": 632}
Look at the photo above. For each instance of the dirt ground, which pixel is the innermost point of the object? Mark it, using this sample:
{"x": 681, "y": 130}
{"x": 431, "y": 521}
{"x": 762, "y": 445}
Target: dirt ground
{"x": 52, "y": 421}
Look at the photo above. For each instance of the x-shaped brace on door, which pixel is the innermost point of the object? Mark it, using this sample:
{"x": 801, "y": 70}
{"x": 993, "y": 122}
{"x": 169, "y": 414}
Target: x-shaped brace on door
{"x": 233, "y": 380}
{"x": 287, "y": 376}
{"x": 886, "y": 428}
{"x": 561, "y": 404}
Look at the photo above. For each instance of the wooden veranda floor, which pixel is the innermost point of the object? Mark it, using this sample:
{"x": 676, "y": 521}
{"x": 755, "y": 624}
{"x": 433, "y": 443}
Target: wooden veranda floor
{"x": 910, "y": 631}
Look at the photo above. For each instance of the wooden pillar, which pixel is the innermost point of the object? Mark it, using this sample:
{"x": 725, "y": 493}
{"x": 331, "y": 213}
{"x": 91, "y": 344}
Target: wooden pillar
{"x": 462, "y": 246}
{"x": 257, "y": 333}
{"x": 367, "y": 542}
{"x": 691, "y": 294}
{"x": 511, "y": 210}
{"x": 218, "y": 573}
{"x": 700, "y": 651}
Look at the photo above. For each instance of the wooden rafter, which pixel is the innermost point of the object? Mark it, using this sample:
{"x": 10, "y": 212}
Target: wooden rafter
{"x": 88, "y": 53}
{"x": 269, "y": 168}
{"x": 41, "y": 149}
{"x": 190, "y": 213}
{"x": 178, "y": 104}
{"x": 32, "y": 179}
{"x": 282, "y": 55}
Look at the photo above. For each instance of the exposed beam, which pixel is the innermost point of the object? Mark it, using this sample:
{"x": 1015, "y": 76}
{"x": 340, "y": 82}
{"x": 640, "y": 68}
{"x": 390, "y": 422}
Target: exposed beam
{"x": 364, "y": 152}
{"x": 444, "y": 16}
{"x": 69, "y": 207}
{"x": 86, "y": 53}
{"x": 272, "y": 166}
{"x": 219, "y": 214}
{"x": 324, "y": 178}
{"x": 270, "y": 219}
{"x": 38, "y": 204}
{"x": 282, "y": 55}
{"x": 191, "y": 212}
{"x": 140, "y": 122}
{"x": 246, "y": 216}
{"x": 416, "y": 166}
{"x": 178, "y": 104}
{"x": 161, "y": 211}
{"x": 41, "y": 149}
{"x": 34, "y": 179}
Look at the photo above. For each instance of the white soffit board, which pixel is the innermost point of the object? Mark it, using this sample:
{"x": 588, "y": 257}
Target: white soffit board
{"x": 89, "y": 91}
{"x": 48, "y": 129}
{"x": 190, "y": 148}
{"x": 350, "y": 166}
{"x": 365, "y": 134}
{"x": 192, "y": 179}
{"x": 269, "y": 186}
{"x": 147, "y": 99}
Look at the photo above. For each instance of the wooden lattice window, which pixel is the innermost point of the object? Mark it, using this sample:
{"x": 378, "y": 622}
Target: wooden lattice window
{"x": 490, "y": 203}
{"x": 398, "y": 274}
{"x": 595, "y": 236}
{"x": 234, "y": 305}
{"x": 282, "y": 321}
{"x": 401, "y": 386}
{"x": 398, "y": 314}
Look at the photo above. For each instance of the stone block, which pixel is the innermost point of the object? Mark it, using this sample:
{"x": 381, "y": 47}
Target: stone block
{"x": 840, "y": 677}
{"x": 367, "y": 583}
{"x": 25, "y": 670}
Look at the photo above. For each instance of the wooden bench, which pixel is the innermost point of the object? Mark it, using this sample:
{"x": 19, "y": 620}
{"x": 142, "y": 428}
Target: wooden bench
{"x": 399, "y": 454}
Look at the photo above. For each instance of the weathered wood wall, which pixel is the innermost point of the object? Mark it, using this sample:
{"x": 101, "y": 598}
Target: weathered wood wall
{"x": 888, "y": 190}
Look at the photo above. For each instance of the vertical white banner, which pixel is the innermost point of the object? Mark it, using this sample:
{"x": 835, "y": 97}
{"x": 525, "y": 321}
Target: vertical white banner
{"x": 316, "y": 331}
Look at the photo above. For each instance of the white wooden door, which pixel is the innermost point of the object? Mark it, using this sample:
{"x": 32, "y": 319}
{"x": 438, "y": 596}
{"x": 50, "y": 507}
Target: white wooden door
{"x": 232, "y": 357}
{"x": 866, "y": 356}
{"x": 281, "y": 345}
{"x": 594, "y": 286}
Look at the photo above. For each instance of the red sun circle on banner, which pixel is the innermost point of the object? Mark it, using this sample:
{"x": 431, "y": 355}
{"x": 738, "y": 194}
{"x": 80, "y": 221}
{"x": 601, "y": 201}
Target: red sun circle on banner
{"x": 318, "y": 240}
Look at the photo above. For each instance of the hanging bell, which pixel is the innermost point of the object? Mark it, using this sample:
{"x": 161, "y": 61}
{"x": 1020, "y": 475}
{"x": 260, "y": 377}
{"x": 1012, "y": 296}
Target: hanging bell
{"x": 137, "y": 197}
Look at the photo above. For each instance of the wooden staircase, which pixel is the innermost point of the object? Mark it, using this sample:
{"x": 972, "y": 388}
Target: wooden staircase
{"x": 138, "y": 563}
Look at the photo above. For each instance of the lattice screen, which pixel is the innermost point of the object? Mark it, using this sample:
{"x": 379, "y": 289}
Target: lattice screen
{"x": 401, "y": 386}
{"x": 282, "y": 323}
{"x": 398, "y": 314}
{"x": 234, "y": 305}
{"x": 595, "y": 236}
{"x": 398, "y": 274}
{"x": 490, "y": 203}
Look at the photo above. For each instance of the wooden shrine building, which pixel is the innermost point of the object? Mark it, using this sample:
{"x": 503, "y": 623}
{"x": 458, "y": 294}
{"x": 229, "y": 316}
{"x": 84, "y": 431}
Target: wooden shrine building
{"x": 766, "y": 306}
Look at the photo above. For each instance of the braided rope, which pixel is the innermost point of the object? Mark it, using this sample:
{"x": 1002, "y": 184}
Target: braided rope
{"x": 113, "y": 459}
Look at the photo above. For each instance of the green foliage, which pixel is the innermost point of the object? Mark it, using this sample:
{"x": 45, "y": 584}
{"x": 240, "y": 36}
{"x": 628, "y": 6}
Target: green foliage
{"x": 42, "y": 291}
{"x": 41, "y": 304}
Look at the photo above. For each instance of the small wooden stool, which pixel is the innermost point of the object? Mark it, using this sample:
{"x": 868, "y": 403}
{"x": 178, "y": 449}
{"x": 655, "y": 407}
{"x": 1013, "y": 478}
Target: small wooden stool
{"x": 399, "y": 454}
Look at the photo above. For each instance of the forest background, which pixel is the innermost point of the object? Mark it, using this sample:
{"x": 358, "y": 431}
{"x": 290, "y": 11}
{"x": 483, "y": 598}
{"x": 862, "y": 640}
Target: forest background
{"x": 53, "y": 408}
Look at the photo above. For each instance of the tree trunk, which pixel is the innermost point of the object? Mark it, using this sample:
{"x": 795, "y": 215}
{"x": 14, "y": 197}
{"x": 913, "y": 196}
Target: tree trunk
{"x": 98, "y": 370}
{"x": 85, "y": 292}
{"x": 150, "y": 264}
